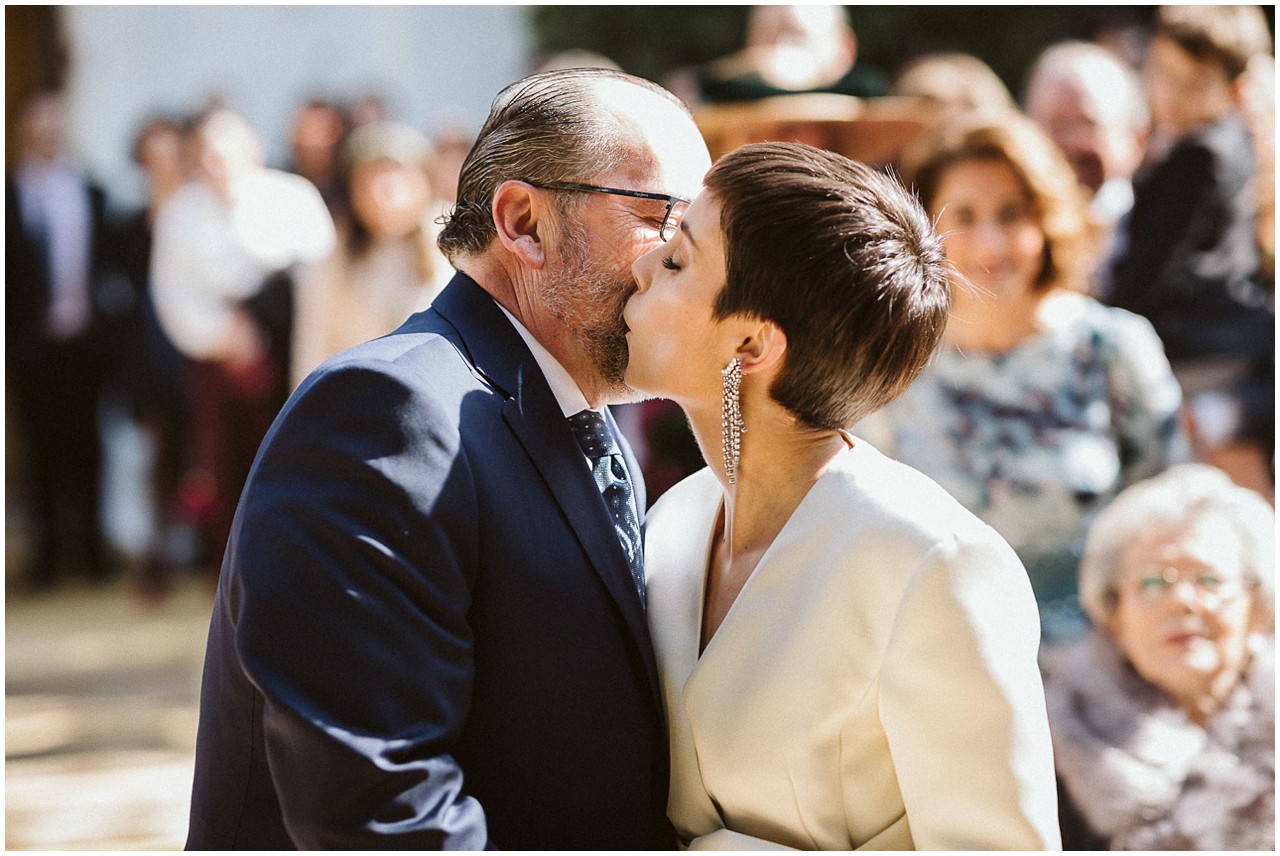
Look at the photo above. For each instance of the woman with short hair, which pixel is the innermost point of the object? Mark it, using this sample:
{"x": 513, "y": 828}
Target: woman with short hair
{"x": 847, "y": 656}
{"x": 1041, "y": 404}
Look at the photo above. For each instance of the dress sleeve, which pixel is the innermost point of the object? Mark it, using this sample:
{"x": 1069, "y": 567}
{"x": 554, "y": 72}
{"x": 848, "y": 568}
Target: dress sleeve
{"x": 361, "y": 498}
{"x": 1144, "y": 397}
{"x": 963, "y": 707}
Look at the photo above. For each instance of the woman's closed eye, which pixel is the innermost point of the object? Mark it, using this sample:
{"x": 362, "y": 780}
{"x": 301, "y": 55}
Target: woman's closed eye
{"x": 670, "y": 263}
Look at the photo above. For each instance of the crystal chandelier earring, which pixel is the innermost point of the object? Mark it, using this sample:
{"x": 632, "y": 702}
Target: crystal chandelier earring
{"x": 731, "y": 424}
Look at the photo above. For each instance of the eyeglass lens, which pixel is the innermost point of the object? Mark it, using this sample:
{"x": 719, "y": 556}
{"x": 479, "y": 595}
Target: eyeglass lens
{"x": 1156, "y": 582}
{"x": 671, "y": 222}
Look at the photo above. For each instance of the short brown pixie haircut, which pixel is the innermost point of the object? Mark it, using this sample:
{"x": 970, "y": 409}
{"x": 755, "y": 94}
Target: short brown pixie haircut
{"x": 1057, "y": 200}
{"x": 844, "y": 260}
{"x": 1227, "y": 35}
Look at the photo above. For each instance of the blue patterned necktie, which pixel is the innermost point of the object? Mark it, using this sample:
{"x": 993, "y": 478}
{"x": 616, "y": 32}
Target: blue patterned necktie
{"x": 610, "y": 474}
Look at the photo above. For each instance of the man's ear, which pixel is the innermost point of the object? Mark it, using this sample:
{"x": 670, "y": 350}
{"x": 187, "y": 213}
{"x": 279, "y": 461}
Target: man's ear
{"x": 519, "y": 214}
{"x": 762, "y": 347}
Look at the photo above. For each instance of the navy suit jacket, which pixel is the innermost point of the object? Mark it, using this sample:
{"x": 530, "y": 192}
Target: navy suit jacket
{"x": 426, "y": 634}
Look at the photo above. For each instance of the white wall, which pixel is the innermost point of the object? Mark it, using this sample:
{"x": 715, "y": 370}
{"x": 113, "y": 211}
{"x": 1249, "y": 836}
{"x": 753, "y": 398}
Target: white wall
{"x": 433, "y": 64}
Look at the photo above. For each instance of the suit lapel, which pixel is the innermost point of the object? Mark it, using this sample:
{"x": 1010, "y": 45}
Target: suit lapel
{"x": 530, "y": 410}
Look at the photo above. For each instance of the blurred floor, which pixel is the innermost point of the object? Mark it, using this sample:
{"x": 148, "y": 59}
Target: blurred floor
{"x": 101, "y": 693}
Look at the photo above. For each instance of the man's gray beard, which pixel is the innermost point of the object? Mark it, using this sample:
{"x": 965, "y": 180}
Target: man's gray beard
{"x": 588, "y": 299}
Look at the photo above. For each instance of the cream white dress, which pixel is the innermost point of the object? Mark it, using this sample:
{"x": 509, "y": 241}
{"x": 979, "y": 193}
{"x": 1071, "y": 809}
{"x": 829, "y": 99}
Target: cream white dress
{"x": 873, "y": 686}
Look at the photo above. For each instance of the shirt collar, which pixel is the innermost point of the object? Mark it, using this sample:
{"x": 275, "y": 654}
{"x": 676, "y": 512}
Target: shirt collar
{"x": 563, "y": 387}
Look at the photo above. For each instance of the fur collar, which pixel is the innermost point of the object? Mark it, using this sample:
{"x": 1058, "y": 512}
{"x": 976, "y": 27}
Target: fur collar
{"x": 1144, "y": 775}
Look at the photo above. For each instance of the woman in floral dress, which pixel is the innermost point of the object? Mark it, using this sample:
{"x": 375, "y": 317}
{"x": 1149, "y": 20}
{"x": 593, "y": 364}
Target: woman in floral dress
{"x": 1042, "y": 404}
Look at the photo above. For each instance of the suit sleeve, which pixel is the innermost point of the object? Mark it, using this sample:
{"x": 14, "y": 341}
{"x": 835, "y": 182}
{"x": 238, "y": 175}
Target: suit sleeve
{"x": 963, "y": 708}
{"x": 349, "y": 593}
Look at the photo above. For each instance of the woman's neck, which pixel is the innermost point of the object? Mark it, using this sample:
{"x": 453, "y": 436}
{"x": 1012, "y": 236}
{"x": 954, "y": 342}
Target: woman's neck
{"x": 780, "y": 461}
{"x": 982, "y": 323}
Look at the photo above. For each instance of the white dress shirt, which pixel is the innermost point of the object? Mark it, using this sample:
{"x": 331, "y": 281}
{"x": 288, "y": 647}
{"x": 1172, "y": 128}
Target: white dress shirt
{"x": 563, "y": 386}
{"x": 55, "y": 206}
{"x": 210, "y": 256}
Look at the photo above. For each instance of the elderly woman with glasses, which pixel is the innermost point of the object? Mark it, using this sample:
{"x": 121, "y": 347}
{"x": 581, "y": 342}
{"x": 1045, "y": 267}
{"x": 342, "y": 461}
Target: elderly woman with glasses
{"x": 1163, "y": 720}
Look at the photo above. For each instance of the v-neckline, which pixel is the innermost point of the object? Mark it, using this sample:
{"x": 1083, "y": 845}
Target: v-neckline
{"x": 700, "y": 623}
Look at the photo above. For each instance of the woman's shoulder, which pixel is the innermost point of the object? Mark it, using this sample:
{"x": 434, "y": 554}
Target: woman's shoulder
{"x": 1118, "y": 334}
{"x": 873, "y": 499}
{"x": 1072, "y": 312}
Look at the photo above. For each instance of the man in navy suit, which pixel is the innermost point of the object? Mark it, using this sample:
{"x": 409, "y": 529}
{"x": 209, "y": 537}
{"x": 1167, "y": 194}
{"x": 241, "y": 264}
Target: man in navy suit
{"x": 63, "y": 317}
{"x": 429, "y": 630}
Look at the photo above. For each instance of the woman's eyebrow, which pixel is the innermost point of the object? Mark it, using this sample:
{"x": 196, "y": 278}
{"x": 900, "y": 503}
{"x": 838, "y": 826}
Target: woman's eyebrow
{"x": 688, "y": 236}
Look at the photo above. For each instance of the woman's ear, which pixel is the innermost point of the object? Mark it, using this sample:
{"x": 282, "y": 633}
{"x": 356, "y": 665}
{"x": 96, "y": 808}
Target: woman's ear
{"x": 762, "y": 347}
{"x": 519, "y": 212}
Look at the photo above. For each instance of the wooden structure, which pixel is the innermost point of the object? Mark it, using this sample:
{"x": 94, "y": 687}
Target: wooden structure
{"x": 873, "y": 130}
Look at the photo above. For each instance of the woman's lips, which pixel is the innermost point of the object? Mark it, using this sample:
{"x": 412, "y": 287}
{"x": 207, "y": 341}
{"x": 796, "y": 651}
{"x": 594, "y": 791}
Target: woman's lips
{"x": 1185, "y": 638}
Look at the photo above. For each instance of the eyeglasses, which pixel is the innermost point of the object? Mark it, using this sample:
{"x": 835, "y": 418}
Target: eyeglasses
{"x": 1156, "y": 581}
{"x": 676, "y": 206}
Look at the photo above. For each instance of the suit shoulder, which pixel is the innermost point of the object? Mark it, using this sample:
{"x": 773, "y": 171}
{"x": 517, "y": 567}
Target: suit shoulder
{"x": 407, "y": 382}
{"x": 425, "y": 350}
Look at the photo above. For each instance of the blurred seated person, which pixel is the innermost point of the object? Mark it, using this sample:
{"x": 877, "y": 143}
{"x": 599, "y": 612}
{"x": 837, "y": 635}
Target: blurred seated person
{"x": 1091, "y": 105}
{"x": 789, "y": 50}
{"x": 954, "y": 84}
{"x": 1163, "y": 719}
{"x": 1258, "y": 103}
{"x": 366, "y": 109}
{"x": 385, "y": 266}
{"x": 1041, "y": 404}
{"x": 1191, "y": 263}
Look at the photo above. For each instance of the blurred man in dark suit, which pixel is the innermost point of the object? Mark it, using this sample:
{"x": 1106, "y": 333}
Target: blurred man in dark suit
{"x": 56, "y": 339}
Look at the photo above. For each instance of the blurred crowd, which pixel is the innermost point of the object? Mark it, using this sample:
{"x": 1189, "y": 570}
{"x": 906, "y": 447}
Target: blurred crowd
{"x": 1104, "y": 397}
{"x": 186, "y": 323}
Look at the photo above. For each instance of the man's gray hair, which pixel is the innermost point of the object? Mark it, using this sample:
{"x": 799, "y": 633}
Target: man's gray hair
{"x": 1095, "y": 70}
{"x": 1181, "y": 494}
{"x": 545, "y": 127}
